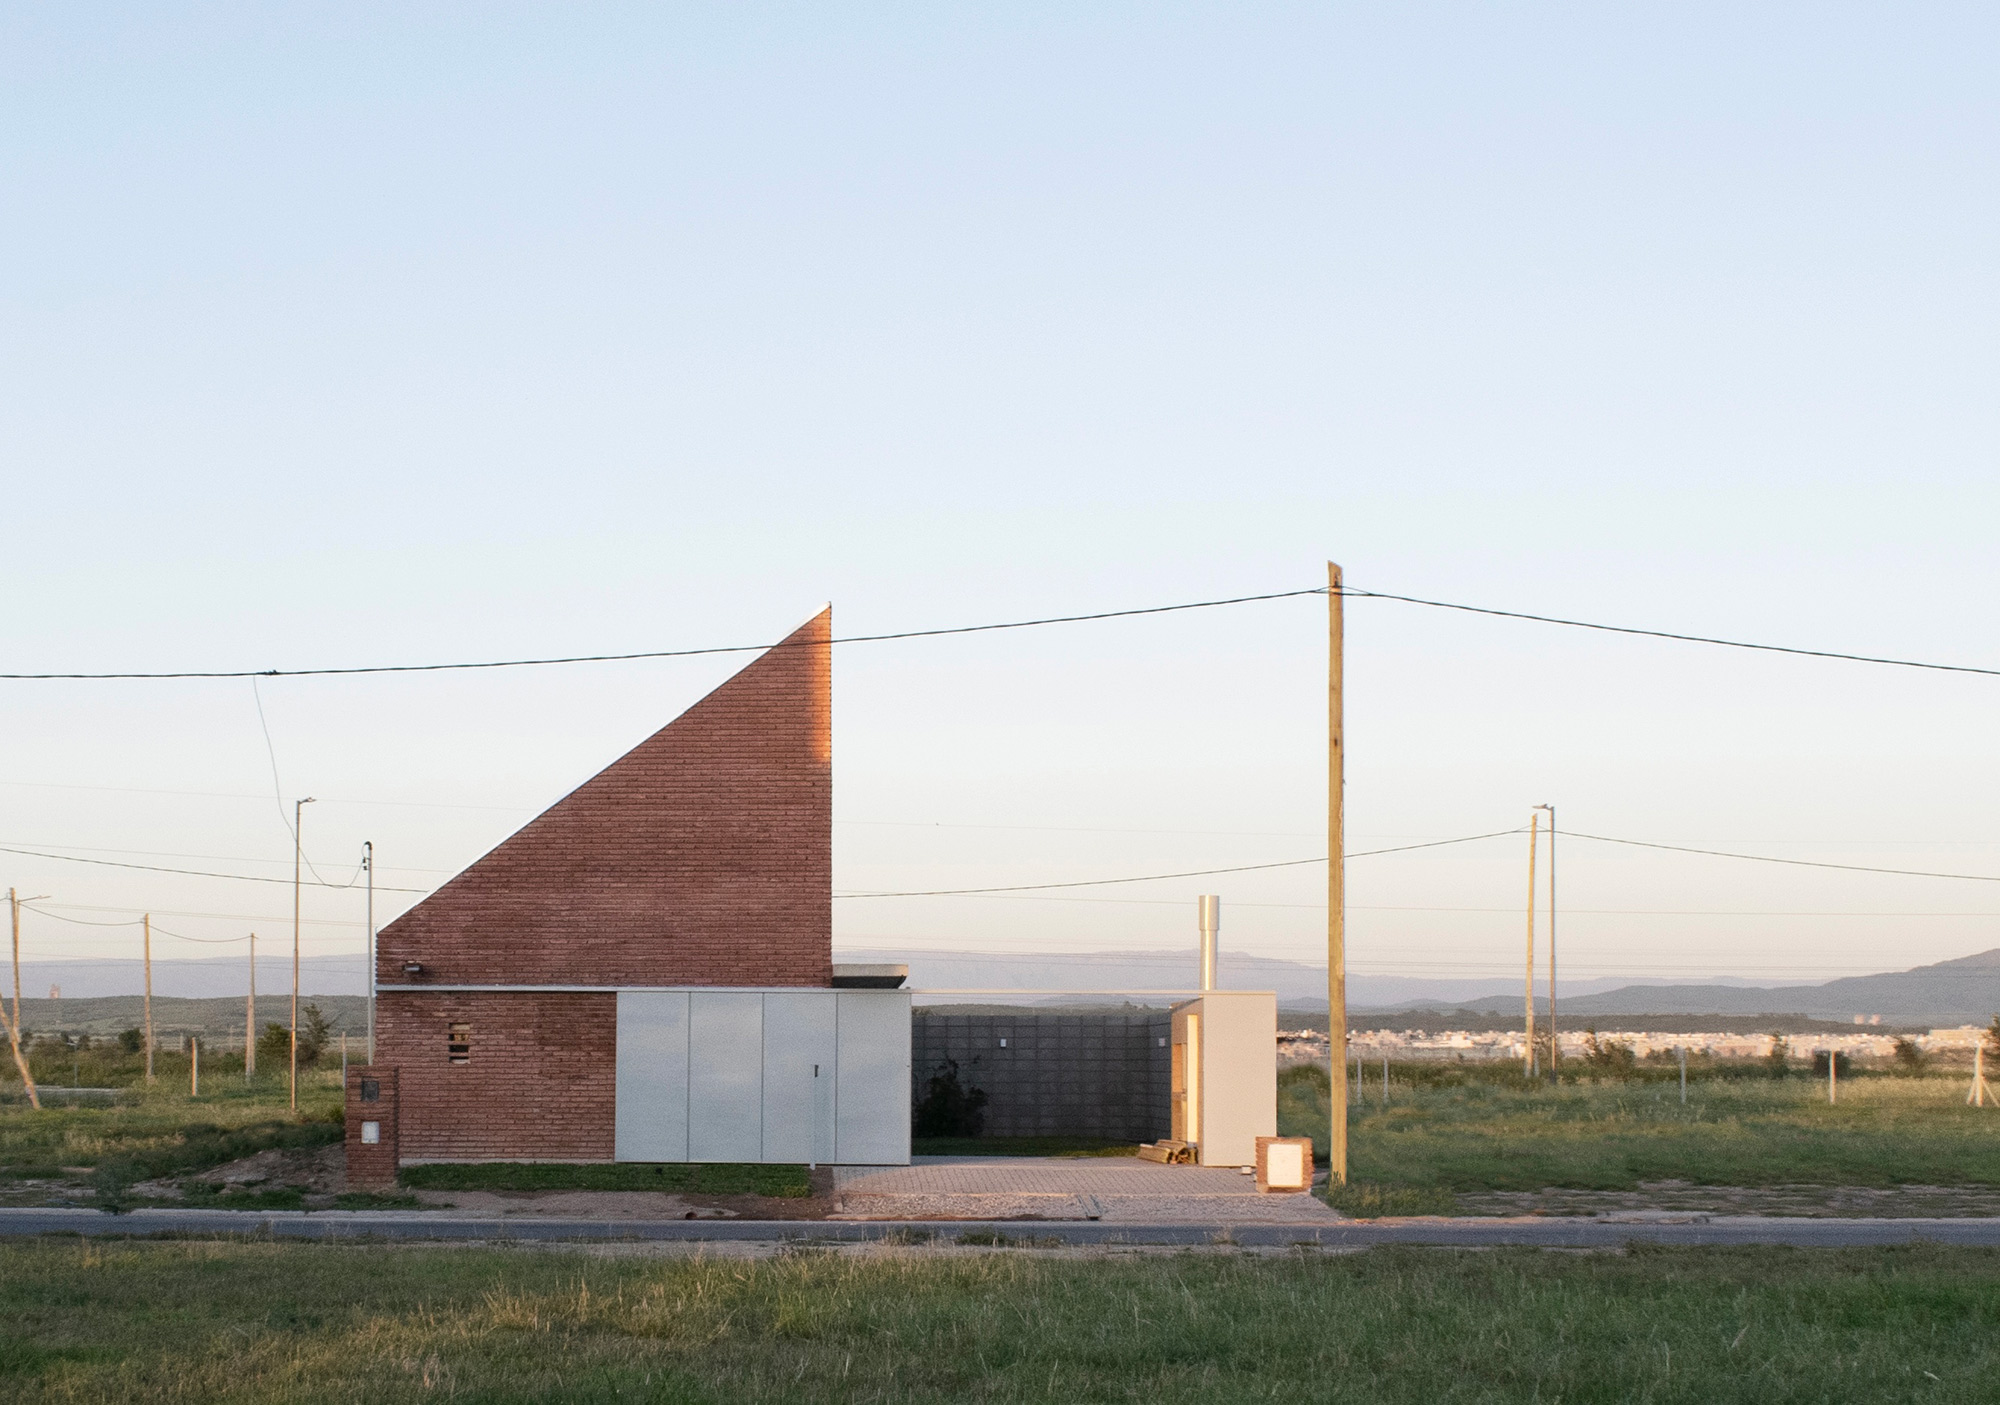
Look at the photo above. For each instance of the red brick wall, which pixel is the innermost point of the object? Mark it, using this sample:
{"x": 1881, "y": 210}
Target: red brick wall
{"x": 540, "y": 1081}
{"x": 703, "y": 856}
{"x": 371, "y": 1167}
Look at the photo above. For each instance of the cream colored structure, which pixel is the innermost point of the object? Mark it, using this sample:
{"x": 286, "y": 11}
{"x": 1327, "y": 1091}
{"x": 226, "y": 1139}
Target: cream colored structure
{"x": 1225, "y": 1074}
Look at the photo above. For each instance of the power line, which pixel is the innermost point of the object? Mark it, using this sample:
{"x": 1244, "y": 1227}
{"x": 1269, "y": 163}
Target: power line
{"x": 1668, "y": 634}
{"x": 192, "y": 872}
{"x": 1794, "y": 863}
{"x": 1155, "y": 877}
{"x": 254, "y": 673}
{"x": 656, "y": 653}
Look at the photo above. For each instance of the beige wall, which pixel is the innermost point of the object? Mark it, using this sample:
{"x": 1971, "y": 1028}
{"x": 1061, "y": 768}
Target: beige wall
{"x": 1226, "y": 1063}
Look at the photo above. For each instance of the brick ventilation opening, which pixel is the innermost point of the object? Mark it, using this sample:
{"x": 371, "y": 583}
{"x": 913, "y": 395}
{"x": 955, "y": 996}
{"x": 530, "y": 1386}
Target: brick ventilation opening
{"x": 458, "y": 1044}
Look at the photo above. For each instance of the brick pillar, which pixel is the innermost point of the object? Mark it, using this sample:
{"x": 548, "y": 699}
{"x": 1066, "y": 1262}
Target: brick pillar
{"x": 371, "y": 1128}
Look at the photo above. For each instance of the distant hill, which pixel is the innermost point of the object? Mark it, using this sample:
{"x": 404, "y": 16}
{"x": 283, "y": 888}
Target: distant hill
{"x": 1298, "y": 983}
{"x": 213, "y": 1018}
{"x": 1962, "y": 991}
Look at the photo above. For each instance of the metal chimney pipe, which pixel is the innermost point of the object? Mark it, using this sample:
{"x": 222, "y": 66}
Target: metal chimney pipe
{"x": 1209, "y": 909}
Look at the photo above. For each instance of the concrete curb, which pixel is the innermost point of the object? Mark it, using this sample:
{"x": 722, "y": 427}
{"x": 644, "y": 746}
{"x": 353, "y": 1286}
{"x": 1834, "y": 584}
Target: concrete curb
{"x": 1548, "y": 1233}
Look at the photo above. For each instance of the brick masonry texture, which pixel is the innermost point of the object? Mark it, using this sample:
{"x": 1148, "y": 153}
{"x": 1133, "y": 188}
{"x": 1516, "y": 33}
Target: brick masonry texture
{"x": 371, "y": 1167}
{"x": 539, "y": 1082}
{"x": 1105, "y": 1076}
{"x": 703, "y": 856}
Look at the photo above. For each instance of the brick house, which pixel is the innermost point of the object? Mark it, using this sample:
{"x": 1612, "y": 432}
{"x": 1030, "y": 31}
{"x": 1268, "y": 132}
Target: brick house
{"x": 644, "y": 971}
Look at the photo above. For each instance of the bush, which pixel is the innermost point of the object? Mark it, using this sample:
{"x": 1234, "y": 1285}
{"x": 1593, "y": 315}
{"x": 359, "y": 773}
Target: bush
{"x": 1909, "y": 1057}
{"x": 949, "y": 1108}
{"x": 1608, "y": 1055}
{"x": 1778, "y": 1062}
{"x": 1841, "y": 1064}
{"x": 132, "y": 1040}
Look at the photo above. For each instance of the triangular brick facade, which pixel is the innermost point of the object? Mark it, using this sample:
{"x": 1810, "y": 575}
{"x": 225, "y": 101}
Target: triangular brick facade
{"x": 703, "y": 856}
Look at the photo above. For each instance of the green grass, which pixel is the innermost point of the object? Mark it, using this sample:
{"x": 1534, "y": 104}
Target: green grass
{"x": 1446, "y": 1130}
{"x": 162, "y": 1131}
{"x": 253, "y": 1322}
{"x": 714, "y": 1178}
{"x": 1020, "y": 1146}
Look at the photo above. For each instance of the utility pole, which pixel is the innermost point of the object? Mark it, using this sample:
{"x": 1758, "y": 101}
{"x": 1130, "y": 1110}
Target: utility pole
{"x": 298, "y": 857}
{"x": 250, "y": 1018}
{"x": 14, "y": 1029}
{"x": 1528, "y": 991}
{"x": 148, "y": 952}
{"x": 1336, "y": 885}
{"x": 1555, "y": 1051}
{"x": 368, "y": 863}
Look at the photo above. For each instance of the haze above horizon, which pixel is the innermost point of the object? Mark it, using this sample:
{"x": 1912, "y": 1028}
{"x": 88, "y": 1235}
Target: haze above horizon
{"x": 370, "y": 336}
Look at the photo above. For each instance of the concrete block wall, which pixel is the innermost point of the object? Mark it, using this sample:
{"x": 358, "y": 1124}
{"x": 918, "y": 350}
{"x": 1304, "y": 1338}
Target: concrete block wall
{"x": 1081, "y": 1075}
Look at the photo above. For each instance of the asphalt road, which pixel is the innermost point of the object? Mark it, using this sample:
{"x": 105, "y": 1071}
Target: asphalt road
{"x": 1548, "y": 1233}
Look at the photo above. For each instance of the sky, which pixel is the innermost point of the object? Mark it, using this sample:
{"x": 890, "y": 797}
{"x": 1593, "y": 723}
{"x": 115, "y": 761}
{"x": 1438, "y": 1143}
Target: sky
{"x": 370, "y": 334}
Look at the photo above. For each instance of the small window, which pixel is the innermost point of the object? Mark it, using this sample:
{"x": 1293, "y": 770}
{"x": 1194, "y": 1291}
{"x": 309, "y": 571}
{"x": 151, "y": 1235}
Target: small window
{"x": 371, "y": 1090}
{"x": 458, "y": 1044}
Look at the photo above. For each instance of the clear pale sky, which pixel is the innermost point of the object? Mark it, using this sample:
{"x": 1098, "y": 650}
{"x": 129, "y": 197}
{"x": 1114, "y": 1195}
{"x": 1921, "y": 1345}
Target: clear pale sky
{"x": 362, "y": 335}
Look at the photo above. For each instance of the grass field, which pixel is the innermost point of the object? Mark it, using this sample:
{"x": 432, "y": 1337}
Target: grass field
{"x": 253, "y": 1322}
{"x": 1447, "y": 1131}
{"x": 143, "y": 1133}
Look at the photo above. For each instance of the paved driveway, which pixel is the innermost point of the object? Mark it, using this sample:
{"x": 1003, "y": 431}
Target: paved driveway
{"x": 1113, "y": 1189}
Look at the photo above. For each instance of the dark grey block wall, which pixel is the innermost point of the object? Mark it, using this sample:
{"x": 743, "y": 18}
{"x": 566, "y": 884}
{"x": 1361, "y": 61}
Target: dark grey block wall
{"x": 1100, "y": 1075}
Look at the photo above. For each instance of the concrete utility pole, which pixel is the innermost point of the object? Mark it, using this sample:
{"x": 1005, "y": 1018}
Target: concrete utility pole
{"x": 14, "y": 1028}
{"x": 1555, "y": 1052}
{"x": 1528, "y": 990}
{"x": 250, "y": 1018}
{"x": 1336, "y": 885}
{"x": 148, "y": 953}
{"x": 298, "y": 858}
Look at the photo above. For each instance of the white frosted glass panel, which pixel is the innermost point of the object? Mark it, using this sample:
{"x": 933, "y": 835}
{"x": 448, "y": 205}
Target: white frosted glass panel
{"x": 798, "y": 1076}
{"x": 872, "y": 1092}
{"x": 652, "y": 1077}
{"x": 725, "y": 1076}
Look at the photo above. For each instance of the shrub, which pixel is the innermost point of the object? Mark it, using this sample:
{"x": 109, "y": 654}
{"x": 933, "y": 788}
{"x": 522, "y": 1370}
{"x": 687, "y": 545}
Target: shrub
{"x": 274, "y": 1046}
{"x": 1909, "y": 1057}
{"x": 1841, "y": 1064}
{"x": 132, "y": 1040}
{"x": 1778, "y": 1061}
{"x": 949, "y": 1108}
{"x": 1608, "y": 1055}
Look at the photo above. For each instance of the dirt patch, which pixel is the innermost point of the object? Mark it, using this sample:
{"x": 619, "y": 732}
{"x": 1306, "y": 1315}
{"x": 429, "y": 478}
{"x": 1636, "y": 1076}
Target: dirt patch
{"x": 316, "y": 1173}
{"x": 1807, "y": 1201}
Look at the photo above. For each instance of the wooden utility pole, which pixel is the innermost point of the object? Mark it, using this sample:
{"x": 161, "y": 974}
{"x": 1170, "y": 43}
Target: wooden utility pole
{"x": 250, "y": 1018}
{"x": 1528, "y": 991}
{"x": 194, "y": 1066}
{"x": 298, "y": 857}
{"x": 148, "y": 920}
{"x": 14, "y": 1027}
{"x": 368, "y": 862}
{"x": 1336, "y": 886}
{"x": 1555, "y": 1052}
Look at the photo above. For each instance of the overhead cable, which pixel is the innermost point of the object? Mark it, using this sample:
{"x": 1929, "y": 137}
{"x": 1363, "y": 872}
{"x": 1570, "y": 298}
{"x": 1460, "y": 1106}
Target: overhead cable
{"x": 195, "y": 872}
{"x": 1668, "y": 634}
{"x": 1191, "y": 873}
{"x": 1795, "y": 863}
{"x": 658, "y": 653}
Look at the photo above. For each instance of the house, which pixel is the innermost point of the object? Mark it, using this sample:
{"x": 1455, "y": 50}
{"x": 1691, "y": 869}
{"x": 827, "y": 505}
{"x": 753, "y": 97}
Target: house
{"x": 644, "y": 972}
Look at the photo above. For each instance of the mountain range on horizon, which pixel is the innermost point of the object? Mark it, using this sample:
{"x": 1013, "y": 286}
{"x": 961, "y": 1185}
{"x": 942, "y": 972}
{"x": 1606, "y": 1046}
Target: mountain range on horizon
{"x": 1963, "y": 990}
